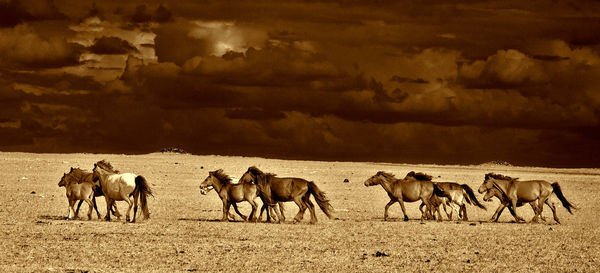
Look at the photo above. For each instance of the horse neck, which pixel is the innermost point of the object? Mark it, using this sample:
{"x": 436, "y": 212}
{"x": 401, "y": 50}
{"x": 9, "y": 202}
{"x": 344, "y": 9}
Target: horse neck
{"x": 387, "y": 184}
{"x": 218, "y": 185}
{"x": 103, "y": 174}
{"x": 501, "y": 186}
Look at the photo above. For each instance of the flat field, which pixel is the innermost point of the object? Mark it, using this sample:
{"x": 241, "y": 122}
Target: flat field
{"x": 184, "y": 233}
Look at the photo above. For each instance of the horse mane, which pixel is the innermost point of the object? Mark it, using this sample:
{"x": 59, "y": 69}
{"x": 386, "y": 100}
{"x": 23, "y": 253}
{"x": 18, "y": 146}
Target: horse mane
{"x": 220, "y": 174}
{"x": 105, "y": 165}
{"x": 499, "y": 177}
{"x": 386, "y": 175}
{"x": 254, "y": 170}
{"x": 419, "y": 176}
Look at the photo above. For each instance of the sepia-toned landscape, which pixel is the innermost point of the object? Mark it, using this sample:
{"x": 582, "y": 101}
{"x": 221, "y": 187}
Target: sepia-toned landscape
{"x": 184, "y": 233}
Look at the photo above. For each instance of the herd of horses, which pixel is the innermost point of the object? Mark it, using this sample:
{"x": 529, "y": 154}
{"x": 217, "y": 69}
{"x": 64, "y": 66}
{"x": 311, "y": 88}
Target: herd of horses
{"x": 273, "y": 191}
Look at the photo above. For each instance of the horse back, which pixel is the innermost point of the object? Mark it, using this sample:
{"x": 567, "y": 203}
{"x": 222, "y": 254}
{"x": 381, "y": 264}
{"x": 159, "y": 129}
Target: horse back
{"x": 286, "y": 188}
{"x": 413, "y": 190}
{"x": 117, "y": 185}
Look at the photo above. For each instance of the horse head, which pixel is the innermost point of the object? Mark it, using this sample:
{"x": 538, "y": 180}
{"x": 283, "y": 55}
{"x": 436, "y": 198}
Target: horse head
{"x": 207, "y": 184}
{"x": 489, "y": 194}
{"x": 377, "y": 178}
{"x": 63, "y": 181}
{"x": 487, "y": 184}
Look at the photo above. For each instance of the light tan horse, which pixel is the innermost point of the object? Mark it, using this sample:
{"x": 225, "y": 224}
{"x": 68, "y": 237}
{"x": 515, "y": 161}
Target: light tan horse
{"x": 231, "y": 194}
{"x": 515, "y": 191}
{"x": 121, "y": 187}
{"x": 436, "y": 202}
{"x": 77, "y": 189}
{"x": 413, "y": 187}
{"x": 458, "y": 196}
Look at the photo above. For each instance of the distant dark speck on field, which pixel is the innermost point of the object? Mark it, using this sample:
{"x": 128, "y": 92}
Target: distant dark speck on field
{"x": 346, "y": 180}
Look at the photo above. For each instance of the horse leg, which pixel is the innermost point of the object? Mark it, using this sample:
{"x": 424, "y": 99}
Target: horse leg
{"x": 235, "y": 207}
{"x": 274, "y": 210}
{"x": 252, "y": 216}
{"x": 225, "y": 211}
{"x": 116, "y": 211}
{"x": 71, "y": 209}
{"x": 87, "y": 200}
{"x": 109, "y": 203}
{"x": 136, "y": 196}
{"x": 464, "y": 209}
{"x": 541, "y": 202}
{"x": 311, "y": 208}
{"x": 446, "y": 211}
{"x": 553, "y": 208}
{"x": 126, "y": 199}
{"x": 262, "y": 209}
{"x": 281, "y": 210}
{"x": 77, "y": 210}
{"x": 497, "y": 213}
{"x": 96, "y": 207}
{"x": 514, "y": 206}
{"x": 421, "y": 208}
{"x": 428, "y": 206}
{"x": 404, "y": 209}
{"x": 301, "y": 209}
{"x": 385, "y": 213}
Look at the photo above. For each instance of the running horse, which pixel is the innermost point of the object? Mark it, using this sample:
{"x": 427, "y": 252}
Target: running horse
{"x": 121, "y": 187}
{"x": 273, "y": 189}
{"x": 413, "y": 187}
{"x": 230, "y": 194}
{"x": 515, "y": 191}
{"x": 505, "y": 203}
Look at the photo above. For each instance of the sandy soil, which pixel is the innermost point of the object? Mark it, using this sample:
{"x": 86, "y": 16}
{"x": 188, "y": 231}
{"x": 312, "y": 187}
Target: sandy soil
{"x": 184, "y": 234}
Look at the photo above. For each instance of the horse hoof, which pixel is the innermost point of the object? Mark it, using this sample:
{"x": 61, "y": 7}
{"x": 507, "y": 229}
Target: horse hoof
{"x": 405, "y": 219}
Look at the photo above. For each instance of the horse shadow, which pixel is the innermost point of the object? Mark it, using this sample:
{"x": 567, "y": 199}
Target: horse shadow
{"x": 52, "y": 217}
{"x": 207, "y": 220}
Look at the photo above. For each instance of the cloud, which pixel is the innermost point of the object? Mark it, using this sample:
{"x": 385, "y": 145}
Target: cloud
{"x": 14, "y": 12}
{"x": 111, "y": 45}
{"x": 23, "y": 47}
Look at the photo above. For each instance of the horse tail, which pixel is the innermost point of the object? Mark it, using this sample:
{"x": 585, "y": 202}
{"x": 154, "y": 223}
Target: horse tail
{"x": 321, "y": 199}
{"x": 141, "y": 185}
{"x": 472, "y": 196}
{"x": 562, "y": 198}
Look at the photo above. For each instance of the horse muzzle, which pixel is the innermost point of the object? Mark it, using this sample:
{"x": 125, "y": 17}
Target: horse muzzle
{"x": 205, "y": 190}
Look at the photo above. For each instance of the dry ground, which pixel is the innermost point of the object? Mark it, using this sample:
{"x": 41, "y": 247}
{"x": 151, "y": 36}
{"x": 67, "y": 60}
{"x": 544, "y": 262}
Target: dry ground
{"x": 183, "y": 234}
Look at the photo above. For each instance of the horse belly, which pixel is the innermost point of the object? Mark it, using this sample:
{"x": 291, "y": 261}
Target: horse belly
{"x": 237, "y": 193}
{"x": 527, "y": 192}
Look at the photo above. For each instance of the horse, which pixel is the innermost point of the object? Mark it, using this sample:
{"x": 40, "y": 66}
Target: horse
{"x": 77, "y": 190}
{"x": 76, "y": 175}
{"x": 435, "y": 202}
{"x": 121, "y": 187}
{"x": 230, "y": 194}
{"x": 458, "y": 195}
{"x": 504, "y": 202}
{"x": 273, "y": 189}
{"x": 413, "y": 187}
{"x": 515, "y": 191}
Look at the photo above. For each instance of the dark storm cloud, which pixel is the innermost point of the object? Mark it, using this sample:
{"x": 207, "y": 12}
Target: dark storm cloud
{"x": 447, "y": 82}
{"x": 15, "y": 12}
{"x": 25, "y": 47}
{"x": 111, "y": 45}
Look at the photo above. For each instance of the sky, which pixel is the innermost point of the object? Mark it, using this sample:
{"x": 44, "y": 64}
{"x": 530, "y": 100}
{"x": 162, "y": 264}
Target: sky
{"x": 444, "y": 82}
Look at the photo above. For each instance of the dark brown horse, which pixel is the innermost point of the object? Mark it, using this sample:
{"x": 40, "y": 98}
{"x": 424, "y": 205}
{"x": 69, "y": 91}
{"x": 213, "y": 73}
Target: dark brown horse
{"x": 458, "y": 195}
{"x": 273, "y": 189}
{"x": 505, "y": 203}
{"x": 515, "y": 191}
{"x": 413, "y": 187}
{"x": 230, "y": 194}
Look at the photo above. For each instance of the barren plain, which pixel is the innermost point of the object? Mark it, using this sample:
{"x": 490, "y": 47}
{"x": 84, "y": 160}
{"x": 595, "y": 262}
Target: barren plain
{"x": 184, "y": 234}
